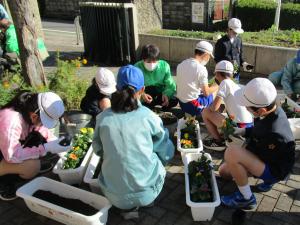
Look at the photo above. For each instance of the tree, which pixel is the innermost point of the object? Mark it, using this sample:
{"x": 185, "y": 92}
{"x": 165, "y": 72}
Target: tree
{"x": 277, "y": 15}
{"x": 24, "y": 21}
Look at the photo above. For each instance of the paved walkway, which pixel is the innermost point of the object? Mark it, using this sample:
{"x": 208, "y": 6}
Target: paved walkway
{"x": 280, "y": 206}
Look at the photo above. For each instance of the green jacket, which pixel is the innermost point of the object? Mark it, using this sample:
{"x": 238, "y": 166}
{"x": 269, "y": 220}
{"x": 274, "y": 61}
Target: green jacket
{"x": 161, "y": 77}
{"x": 12, "y": 43}
{"x": 11, "y": 40}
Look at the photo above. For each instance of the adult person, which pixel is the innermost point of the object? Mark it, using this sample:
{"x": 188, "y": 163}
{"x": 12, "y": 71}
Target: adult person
{"x": 160, "y": 86}
{"x": 97, "y": 97}
{"x": 214, "y": 119}
{"x": 230, "y": 48}
{"x": 193, "y": 92}
{"x": 269, "y": 153}
{"x": 133, "y": 144}
{"x": 289, "y": 77}
{"x": 25, "y": 136}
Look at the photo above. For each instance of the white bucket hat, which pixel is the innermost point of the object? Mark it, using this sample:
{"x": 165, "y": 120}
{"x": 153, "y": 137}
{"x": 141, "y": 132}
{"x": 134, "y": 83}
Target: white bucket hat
{"x": 235, "y": 25}
{"x": 51, "y": 108}
{"x": 205, "y": 46}
{"x": 224, "y": 66}
{"x": 106, "y": 81}
{"x": 259, "y": 92}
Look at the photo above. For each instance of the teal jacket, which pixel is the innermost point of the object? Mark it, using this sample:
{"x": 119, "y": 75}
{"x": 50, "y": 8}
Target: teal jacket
{"x": 134, "y": 147}
{"x": 290, "y": 73}
{"x": 161, "y": 77}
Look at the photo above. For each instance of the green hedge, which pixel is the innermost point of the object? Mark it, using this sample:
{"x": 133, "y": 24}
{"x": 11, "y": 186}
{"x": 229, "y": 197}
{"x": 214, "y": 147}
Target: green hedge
{"x": 259, "y": 14}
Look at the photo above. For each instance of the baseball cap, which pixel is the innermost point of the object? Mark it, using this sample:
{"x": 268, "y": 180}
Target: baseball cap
{"x": 298, "y": 57}
{"x": 130, "y": 76}
{"x": 106, "y": 81}
{"x": 236, "y": 25}
{"x": 259, "y": 92}
{"x": 224, "y": 66}
{"x": 205, "y": 46}
{"x": 51, "y": 108}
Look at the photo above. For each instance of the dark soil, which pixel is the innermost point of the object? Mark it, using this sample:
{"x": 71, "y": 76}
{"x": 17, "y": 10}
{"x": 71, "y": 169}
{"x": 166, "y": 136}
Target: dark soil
{"x": 71, "y": 204}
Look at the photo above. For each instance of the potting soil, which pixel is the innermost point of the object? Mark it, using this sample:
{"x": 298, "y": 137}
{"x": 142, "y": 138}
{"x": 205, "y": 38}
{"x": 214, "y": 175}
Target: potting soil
{"x": 71, "y": 204}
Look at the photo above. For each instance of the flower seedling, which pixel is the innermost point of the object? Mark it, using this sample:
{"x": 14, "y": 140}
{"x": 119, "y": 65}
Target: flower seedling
{"x": 188, "y": 137}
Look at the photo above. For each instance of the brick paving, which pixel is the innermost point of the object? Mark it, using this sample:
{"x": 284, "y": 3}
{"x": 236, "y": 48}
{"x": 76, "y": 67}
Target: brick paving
{"x": 279, "y": 206}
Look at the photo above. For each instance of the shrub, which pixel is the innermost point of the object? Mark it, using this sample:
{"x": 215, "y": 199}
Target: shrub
{"x": 66, "y": 83}
{"x": 259, "y": 14}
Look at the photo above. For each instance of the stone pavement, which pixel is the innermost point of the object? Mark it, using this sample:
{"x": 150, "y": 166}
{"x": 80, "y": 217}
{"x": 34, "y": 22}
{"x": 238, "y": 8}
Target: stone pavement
{"x": 280, "y": 206}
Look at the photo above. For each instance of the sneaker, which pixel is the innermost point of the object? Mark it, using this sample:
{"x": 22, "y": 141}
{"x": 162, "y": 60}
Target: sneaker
{"x": 237, "y": 201}
{"x": 213, "y": 144}
{"x": 46, "y": 167}
{"x": 263, "y": 187}
{"x": 130, "y": 214}
{"x": 9, "y": 193}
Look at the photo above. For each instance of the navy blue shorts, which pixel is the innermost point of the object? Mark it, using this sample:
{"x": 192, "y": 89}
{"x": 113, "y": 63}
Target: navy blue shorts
{"x": 196, "y": 106}
{"x": 267, "y": 177}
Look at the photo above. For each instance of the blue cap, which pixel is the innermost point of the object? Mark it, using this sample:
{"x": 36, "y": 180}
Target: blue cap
{"x": 298, "y": 57}
{"x": 130, "y": 76}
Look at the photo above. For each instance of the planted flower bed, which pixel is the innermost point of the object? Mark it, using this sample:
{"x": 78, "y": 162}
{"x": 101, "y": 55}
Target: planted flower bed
{"x": 188, "y": 136}
{"x": 202, "y": 193}
{"x": 71, "y": 169}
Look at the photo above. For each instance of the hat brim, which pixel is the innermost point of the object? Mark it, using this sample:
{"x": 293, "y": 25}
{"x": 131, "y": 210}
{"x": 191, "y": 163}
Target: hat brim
{"x": 238, "y": 30}
{"x": 240, "y": 99}
{"x": 45, "y": 119}
{"x": 107, "y": 90}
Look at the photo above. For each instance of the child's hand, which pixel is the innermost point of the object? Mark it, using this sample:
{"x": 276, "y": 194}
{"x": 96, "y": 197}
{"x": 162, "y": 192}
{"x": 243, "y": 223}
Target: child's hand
{"x": 165, "y": 100}
{"x": 147, "y": 98}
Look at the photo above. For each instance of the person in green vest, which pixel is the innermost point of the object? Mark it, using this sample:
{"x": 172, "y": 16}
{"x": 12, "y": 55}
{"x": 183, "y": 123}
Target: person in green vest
{"x": 160, "y": 87}
{"x": 10, "y": 44}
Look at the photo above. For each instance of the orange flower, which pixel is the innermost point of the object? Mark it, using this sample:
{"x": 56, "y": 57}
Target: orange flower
{"x": 77, "y": 65}
{"x": 73, "y": 156}
{"x": 231, "y": 117}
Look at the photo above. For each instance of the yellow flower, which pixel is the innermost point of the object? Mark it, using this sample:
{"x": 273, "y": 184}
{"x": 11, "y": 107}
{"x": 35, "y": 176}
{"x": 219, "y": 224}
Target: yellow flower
{"x": 198, "y": 174}
{"x": 6, "y": 84}
{"x": 90, "y": 130}
{"x": 73, "y": 156}
{"x": 84, "y": 61}
{"x": 76, "y": 148}
{"x": 83, "y": 130}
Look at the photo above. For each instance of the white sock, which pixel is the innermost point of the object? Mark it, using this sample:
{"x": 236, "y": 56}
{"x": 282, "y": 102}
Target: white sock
{"x": 245, "y": 191}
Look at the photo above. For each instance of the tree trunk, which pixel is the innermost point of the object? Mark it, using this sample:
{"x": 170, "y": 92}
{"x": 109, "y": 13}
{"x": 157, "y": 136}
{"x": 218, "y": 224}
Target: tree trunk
{"x": 24, "y": 21}
{"x": 37, "y": 18}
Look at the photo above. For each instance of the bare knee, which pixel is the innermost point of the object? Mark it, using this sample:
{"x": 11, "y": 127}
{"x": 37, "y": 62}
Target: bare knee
{"x": 205, "y": 113}
{"x": 224, "y": 172}
{"x": 30, "y": 169}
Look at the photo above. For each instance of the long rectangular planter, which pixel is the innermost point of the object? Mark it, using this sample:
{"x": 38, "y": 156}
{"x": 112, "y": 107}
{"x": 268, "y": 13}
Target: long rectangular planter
{"x": 201, "y": 211}
{"x": 73, "y": 176}
{"x": 88, "y": 177}
{"x": 59, "y": 213}
{"x": 294, "y": 122}
{"x": 181, "y": 125}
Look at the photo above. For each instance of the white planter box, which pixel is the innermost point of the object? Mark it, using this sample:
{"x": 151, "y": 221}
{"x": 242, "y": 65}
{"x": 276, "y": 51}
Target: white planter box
{"x": 61, "y": 214}
{"x": 88, "y": 177}
{"x": 181, "y": 125}
{"x": 73, "y": 176}
{"x": 202, "y": 211}
{"x": 294, "y": 122}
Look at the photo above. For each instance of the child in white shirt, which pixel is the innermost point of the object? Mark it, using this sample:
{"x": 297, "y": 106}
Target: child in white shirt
{"x": 214, "y": 119}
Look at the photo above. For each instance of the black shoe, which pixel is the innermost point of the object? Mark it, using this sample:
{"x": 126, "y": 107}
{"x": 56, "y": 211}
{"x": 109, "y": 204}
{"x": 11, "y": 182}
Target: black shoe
{"x": 215, "y": 145}
{"x": 9, "y": 194}
{"x": 130, "y": 214}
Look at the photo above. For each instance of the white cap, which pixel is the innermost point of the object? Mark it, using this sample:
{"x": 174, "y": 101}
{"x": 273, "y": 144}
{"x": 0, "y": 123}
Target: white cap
{"x": 205, "y": 46}
{"x": 259, "y": 92}
{"x": 224, "y": 66}
{"x": 51, "y": 108}
{"x": 235, "y": 25}
{"x": 106, "y": 81}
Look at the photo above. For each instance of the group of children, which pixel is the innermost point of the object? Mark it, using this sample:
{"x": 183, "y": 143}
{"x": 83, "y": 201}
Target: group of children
{"x": 133, "y": 144}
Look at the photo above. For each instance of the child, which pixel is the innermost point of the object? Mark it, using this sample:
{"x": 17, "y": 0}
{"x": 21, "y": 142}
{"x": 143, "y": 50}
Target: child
{"x": 97, "y": 97}
{"x": 212, "y": 118}
{"x": 160, "y": 86}
{"x": 270, "y": 150}
{"x": 193, "y": 91}
{"x": 133, "y": 144}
